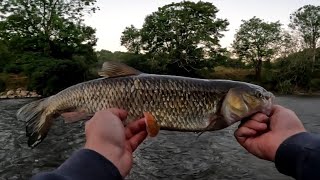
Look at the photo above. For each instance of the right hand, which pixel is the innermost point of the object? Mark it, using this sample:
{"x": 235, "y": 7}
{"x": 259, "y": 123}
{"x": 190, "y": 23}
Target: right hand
{"x": 262, "y": 135}
{"x": 106, "y": 135}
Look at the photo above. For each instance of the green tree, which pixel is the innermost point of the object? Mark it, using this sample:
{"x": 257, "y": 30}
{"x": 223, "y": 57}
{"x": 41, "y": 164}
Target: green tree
{"x": 54, "y": 75}
{"x": 52, "y": 27}
{"x": 257, "y": 41}
{"x": 179, "y": 38}
{"x": 307, "y": 21}
{"x": 138, "y": 61}
{"x": 49, "y": 41}
{"x": 290, "y": 43}
{"x": 131, "y": 39}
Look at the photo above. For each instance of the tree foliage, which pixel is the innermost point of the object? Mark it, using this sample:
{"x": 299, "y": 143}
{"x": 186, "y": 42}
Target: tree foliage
{"x": 2, "y": 85}
{"x": 5, "y": 55}
{"x": 179, "y": 38}
{"x": 54, "y": 75}
{"x": 131, "y": 39}
{"x": 137, "y": 61}
{"x": 52, "y": 27}
{"x": 289, "y": 43}
{"x": 257, "y": 41}
{"x": 306, "y": 20}
{"x": 48, "y": 41}
{"x": 295, "y": 69}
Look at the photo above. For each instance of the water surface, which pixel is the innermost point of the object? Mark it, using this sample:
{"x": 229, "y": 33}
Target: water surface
{"x": 171, "y": 155}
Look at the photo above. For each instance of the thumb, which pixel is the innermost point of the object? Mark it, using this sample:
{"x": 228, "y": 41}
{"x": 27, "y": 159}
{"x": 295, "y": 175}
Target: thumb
{"x": 122, "y": 114}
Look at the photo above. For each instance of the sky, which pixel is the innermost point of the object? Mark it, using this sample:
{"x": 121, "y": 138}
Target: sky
{"x": 114, "y": 16}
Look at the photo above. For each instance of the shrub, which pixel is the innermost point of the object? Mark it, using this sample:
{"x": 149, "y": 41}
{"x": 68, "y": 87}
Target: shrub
{"x": 13, "y": 68}
{"x": 315, "y": 84}
{"x": 57, "y": 75}
{"x": 297, "y": 72}
{"x": 2, "y": 85}
{"x": 285, "y": 87}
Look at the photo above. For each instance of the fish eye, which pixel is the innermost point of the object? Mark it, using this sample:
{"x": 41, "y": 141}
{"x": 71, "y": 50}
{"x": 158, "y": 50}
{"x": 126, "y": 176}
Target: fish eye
{"x": 259, "y": 95}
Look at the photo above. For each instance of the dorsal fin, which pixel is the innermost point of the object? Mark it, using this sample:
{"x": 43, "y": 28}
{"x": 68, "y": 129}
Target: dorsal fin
{"x": 116, "y": 69}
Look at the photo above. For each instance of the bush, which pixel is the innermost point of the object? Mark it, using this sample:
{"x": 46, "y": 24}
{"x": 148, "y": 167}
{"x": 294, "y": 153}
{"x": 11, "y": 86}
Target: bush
{"x": 5, "y": 55}
{"x": 57, "y": 75}
{"x": 315, "y": 84}
{"x": 297, "y": 72}
{"x": 2, "y": 85}
{"x": 13, "y": 68}
{"x": 285, "y": 87}
{"x": 235, "y": 63}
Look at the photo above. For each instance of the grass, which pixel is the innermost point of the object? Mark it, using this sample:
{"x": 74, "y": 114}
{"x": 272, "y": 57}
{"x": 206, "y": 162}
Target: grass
{"x": 14, "y": 81}
{"x": 221, "y": 72}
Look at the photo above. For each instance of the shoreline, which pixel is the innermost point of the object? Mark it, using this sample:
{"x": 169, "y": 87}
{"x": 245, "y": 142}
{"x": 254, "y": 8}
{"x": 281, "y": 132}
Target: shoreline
{"x": 18, "y": 93}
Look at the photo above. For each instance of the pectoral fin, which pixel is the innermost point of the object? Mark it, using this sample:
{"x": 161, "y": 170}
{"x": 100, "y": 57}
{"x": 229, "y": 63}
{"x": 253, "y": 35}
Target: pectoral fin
{"x": 153, "y": 127}
{"x": 215, "y": 122}
{"x": 212, "y": 122}
{"x": 71, "y": 117}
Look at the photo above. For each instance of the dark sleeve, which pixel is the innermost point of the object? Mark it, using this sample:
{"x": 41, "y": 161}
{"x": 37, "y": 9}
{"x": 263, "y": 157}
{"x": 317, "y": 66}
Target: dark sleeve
{"x": 83, "y": 165}
{"x": 299, "y": 156}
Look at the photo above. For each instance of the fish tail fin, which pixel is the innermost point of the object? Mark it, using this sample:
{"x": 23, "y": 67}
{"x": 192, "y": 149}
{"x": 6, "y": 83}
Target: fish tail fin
{"x": 37, "y": 121}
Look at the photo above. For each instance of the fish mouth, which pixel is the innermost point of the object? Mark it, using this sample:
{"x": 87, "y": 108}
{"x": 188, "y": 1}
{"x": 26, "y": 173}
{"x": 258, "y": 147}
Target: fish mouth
{"x": 268, "y": 104}
{"x": 265, "y": 106}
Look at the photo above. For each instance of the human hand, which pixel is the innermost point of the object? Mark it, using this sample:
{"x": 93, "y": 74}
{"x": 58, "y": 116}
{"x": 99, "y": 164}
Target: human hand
{"x": 106, "y": 135}
{"x": 262, "y": 140}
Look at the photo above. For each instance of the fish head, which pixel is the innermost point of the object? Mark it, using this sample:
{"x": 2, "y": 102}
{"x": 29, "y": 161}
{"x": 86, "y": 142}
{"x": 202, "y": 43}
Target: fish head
{"x": 244, "y": 101}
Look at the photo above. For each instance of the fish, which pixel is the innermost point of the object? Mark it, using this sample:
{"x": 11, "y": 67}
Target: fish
{"x": 167, "y": 102}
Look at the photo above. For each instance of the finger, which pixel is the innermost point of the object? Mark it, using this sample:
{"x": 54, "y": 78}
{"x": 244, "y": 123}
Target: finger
{"x": 276, "y": 108}
{"x": 260, "y": 117}
{"x": 122, "y": 114}
{"x": 86, "y": 127}
{"x": 135, "y": 127}
{"x": 255, "y": 125}
{"x": 137, "y": 139}
{"x": 245, "y": 132}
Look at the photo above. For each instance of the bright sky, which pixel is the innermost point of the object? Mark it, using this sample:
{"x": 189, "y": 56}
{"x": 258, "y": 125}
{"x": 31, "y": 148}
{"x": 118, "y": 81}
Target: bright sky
{"x": 114, "y": 16}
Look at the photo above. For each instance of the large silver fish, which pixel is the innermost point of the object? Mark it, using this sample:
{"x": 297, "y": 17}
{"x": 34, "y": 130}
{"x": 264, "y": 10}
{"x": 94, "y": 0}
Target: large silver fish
{"x": 167, "y": 102}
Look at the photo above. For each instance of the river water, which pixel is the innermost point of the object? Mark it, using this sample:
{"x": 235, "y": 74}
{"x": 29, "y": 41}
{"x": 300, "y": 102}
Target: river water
{"x": 171, "y": 155}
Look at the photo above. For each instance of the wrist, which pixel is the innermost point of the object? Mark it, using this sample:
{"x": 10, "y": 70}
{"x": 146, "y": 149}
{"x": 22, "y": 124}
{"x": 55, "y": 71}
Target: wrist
{"x": 109, "y": 151}
{"x": 279, "y": 141}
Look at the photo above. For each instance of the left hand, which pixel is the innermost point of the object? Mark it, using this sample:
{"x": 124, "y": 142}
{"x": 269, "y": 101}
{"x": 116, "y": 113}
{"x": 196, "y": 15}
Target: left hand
{"x": 106, "y": 135}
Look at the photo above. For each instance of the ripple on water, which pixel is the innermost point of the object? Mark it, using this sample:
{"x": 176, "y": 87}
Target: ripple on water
{"x": 171, "y": 155}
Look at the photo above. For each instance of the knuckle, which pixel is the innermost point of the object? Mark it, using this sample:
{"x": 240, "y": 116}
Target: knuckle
{"x": 102, "y": 112}
{"x": 291, "y": 111}
{"x": 134, "y": 145}
{"x": 86, "y": 127}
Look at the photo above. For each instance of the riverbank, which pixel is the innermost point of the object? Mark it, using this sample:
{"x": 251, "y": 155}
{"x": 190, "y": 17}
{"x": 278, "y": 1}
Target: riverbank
{"x": 18, "y": 93}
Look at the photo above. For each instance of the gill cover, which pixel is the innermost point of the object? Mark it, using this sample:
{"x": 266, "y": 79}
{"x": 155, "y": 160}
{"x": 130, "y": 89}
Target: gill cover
{"x": 232, "y": 106}
{"x": 241, "y": 102}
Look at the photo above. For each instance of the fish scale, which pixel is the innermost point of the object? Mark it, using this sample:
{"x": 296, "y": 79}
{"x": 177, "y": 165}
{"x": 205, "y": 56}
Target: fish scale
{"x": 169, "y": 113}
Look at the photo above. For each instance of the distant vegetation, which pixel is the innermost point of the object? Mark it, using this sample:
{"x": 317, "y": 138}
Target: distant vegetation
{"x": 45, "y": 46}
